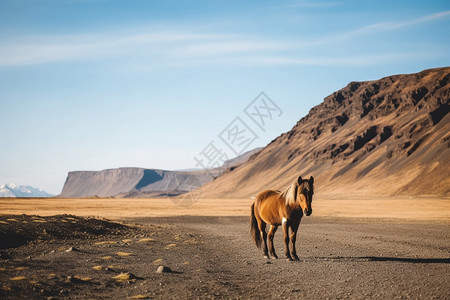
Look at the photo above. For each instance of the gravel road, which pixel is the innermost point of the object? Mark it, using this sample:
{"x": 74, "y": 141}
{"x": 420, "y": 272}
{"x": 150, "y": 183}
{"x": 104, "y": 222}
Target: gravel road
{"x": 213, "y": 257}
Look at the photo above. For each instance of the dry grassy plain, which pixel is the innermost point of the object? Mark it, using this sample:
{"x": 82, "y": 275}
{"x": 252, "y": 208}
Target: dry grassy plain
{"x": 401, "y": 208}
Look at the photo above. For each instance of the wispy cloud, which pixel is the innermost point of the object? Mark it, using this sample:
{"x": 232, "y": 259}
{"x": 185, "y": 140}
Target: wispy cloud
{"x": 385, "y": 26}
{"x": 350, "y": 60}
{"x": 47, "y": 49}
{"x": 181, "y": 47}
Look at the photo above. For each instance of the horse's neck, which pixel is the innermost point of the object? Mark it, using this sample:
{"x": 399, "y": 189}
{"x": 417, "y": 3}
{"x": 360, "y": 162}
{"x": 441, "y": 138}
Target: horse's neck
{"x": 291, "y": 206}
{"x": 294, "y": 206}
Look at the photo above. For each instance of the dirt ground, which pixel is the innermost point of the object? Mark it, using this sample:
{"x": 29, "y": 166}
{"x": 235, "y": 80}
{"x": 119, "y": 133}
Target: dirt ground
{"x": 68, "y": 256}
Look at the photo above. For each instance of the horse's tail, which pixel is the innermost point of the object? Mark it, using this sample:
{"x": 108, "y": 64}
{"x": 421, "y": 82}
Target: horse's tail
{"x": 254, "y": 229}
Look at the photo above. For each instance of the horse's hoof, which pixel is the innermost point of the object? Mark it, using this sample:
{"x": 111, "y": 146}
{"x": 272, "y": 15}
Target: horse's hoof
{"x": 274, "y": 257}
{"x": 289, "y": 259}
{"x": 265, "y": 256}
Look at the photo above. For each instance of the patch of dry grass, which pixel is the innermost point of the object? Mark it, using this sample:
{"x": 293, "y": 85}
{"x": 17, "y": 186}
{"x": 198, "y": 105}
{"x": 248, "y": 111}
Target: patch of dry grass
{"x": 17, "y": 278}
{"x": 82, "y": 278}
{"x": 125, "y": 277}
{"x": 105, "y": 243}
{"x": 6, "y": 287}
{"x": 365, "y": 206}
{"x": 140, "y": 296}
{"x": 146, "y": 240}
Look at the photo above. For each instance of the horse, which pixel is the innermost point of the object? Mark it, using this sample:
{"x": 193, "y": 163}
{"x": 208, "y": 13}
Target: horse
{"x": 284, "y": 208}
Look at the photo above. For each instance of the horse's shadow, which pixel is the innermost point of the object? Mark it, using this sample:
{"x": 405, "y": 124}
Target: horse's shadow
{"x": 409, "y": 260}
{"x": 390, "y": 259}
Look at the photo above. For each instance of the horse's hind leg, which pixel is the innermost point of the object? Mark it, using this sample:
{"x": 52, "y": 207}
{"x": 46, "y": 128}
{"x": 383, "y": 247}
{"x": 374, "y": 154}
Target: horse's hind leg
{"x": 272, "y": 230}
{"x": 262, "y": 229}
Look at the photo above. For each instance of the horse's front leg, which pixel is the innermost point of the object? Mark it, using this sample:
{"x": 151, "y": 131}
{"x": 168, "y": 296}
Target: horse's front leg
{"x": 294, "y": 228}
{"x": 286, "y": 239}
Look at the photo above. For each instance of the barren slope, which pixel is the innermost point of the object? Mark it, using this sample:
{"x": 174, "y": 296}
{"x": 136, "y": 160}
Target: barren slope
{"x": 383, "y": 137}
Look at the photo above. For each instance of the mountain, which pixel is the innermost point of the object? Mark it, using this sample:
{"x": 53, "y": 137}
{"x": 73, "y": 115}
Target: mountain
{"x": 384, "y": 137}
{"x": 140, "y": 182}
{"x": 13, "y": 190}
{"x": 132, "y": 182}
{"x": 238, "y": 160}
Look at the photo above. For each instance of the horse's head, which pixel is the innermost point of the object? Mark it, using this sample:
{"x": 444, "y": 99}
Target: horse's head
{"x": 305, "y": 192}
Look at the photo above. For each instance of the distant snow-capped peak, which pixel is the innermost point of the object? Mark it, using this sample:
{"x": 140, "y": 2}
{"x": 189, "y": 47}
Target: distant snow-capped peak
{"x": 8, "y": 186}
{"x": 15, "y": 190}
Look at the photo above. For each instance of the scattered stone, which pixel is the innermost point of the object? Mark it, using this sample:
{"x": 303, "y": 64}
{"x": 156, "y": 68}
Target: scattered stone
{"x": 72, "y": 249}
{"x": 163, "y": 269}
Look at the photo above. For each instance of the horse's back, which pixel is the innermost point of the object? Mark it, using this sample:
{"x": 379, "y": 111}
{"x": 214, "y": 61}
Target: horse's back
{"x": 267, "y": 195}
{"x": 268, "y": 205}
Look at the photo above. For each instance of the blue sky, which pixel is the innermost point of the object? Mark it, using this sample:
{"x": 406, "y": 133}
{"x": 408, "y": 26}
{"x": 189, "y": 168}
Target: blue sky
{"x": 96, "y": 84}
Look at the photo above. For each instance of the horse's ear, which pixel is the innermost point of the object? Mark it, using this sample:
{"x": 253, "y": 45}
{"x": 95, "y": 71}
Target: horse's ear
{"x": 311, "y": 180}
{"x": 299, "y": 180}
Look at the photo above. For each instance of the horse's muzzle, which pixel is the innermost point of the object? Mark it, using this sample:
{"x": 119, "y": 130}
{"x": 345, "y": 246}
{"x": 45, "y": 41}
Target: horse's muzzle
{"x": 307, "y": 212}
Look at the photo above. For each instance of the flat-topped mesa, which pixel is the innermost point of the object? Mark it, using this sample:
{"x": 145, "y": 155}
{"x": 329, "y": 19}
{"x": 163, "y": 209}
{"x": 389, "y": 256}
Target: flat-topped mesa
{"x": 382, "y": 137}
{"x": 140, "y": 182}
{"x": 123, "y": 181}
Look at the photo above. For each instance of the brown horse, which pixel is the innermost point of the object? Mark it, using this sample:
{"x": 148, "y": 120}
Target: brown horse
{"x": 284, "y": 208}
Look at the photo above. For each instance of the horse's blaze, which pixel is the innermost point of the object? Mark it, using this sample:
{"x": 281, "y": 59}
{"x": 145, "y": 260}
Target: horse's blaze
{"x": 303, "y": 203}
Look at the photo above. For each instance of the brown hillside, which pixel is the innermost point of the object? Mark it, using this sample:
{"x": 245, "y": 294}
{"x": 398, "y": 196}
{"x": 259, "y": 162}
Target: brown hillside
{"x": 384, "y": 137}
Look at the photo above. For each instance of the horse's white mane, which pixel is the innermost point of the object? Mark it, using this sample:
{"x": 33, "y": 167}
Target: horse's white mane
{"x": 290, "y": 193}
